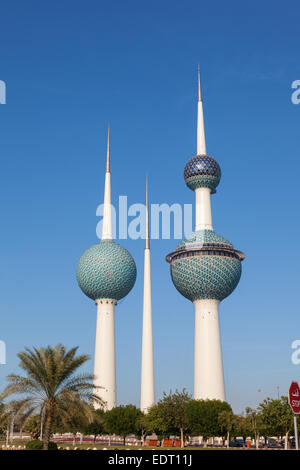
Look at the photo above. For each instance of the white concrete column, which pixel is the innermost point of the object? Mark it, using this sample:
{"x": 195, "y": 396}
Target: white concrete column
{"x": 107, "y": 221}
{"x": 105, "y": 358}
{"x": 201, "y": 146}
{"x": 203, "y": 209}
{"x": 208, "y": 366}
{"x": 147, "y": 373}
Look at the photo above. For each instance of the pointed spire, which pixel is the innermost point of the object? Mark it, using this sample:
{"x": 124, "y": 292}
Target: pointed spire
{"x": 147, "y": 239}
{"x": 107, "y": 220}
{"x": 199, "y": 85}
{"x": 201, "y": 147}
{"x": 108, "y": 152}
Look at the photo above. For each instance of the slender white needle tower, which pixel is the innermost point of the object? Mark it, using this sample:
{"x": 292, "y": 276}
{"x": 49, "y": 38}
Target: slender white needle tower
{"x": 147, "y": 374}
{"x": 201, "y": 147}
{"x": 205, "y": 268}
{"x": 203, "y": 206}
{"x": 107, "y": 222}
{"x": 106, "y": 273}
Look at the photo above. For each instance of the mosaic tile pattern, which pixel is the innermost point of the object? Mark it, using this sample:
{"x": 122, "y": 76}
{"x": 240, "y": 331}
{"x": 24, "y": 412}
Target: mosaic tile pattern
{"x": 202, "y": 171}
{"x": 106, "y": 270}
{"x": 204, "y": 236}
{"x": 206, "y": 277}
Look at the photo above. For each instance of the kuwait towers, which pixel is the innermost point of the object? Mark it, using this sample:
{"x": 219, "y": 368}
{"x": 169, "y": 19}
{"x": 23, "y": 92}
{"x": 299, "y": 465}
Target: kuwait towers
{"x": 106, "y": 273}
{"x": 147, "y": 375}
{"x": 205, "y": 269}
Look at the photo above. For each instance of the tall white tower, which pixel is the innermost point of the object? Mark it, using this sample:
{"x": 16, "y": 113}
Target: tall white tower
{"x": 205, "y": 269}
{"x": 106, "y": 273}
{"x": 147, "y": 374}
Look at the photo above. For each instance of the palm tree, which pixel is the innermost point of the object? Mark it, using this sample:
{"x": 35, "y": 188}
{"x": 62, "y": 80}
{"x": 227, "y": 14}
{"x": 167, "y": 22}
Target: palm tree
{"x": 51, "y": 386}
{"x": 3, "y": 420}
{"x": 9, "y": 417}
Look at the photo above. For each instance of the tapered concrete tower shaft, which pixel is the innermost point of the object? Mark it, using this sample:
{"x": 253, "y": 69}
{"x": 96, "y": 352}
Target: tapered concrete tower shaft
{"x": 203, "y": 209}
{"x": 147, "y": 372}
{"x": 107, "y": 223}
{"x": 105, "y": 356}
{"x": 208, "y": 365}
{"x": 201, "y": 146}
{"x": 203, "y": 205}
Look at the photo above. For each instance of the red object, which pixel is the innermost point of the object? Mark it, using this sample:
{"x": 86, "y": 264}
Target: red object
{"x": 248, "y": 444}
{"x": 294, "y": 397}
{"x": 151, "y": 442}
{"x": 171, "y": 443}
{"x": 167, "y": 443}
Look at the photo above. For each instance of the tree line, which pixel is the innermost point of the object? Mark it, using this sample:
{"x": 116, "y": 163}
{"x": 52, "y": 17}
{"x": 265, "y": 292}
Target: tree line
{"x": 55, "y": 400}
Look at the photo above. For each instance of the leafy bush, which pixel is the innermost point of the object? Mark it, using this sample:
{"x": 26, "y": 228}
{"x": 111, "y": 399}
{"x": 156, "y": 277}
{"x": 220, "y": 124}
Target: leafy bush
{"x": 52, "y": 446}
{"x": 36, "y": 444}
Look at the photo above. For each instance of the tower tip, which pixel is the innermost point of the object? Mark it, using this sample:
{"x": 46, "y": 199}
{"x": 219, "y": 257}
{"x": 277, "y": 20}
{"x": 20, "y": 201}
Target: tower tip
{"x": 108, "y": 151}
{"x": 201, "y": 147}
{"x": 147, "y": 240}
{"x": 199, "y": 85}
{"x": 107, "y": 216}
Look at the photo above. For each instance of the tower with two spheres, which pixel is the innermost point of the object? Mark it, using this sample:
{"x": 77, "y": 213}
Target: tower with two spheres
{"x": 205, "y": 269}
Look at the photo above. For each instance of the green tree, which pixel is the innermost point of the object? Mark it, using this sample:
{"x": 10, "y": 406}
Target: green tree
{"x": 3, "y": 420}
{"x": 142, "y": 428}
{"x": 254, "y": 420}
{"x": 123, "y": 420}
{"x": 226, "y": 420}
{"x": 277, "y": 417}
{"x": 171, "y": 412}
{"x": 241, "y": 427}
{"x": 153, "y": 422}
{"x": 97, "y": 426}
{"x": 33, "y": 426}
{"x": 50, "y": 384}
{"x": 11, "y": 417}
{"x": 202, "y": 416}
{"x": 74, "y": 421}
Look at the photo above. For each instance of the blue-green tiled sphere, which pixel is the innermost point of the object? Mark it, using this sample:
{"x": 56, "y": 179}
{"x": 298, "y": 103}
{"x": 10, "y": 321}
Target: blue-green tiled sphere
{"x": 202, "y": 171}
{"x": 106, "y": 270}
{"x": 205, "y": 276}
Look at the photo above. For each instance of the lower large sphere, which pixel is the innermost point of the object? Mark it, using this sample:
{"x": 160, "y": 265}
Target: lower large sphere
{"x": 201, "y": 274}
{"x": 206, "y": 277}
{"x": 106, "y": 270}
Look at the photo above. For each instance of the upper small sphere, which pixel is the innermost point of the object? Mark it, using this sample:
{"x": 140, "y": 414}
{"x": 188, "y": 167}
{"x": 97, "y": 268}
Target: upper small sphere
{"x": 106, "y": 270}
{"x": 202, "y": 171}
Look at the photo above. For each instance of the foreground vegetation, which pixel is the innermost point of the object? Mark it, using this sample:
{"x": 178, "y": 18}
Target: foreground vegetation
{"x": 54, "y": 399}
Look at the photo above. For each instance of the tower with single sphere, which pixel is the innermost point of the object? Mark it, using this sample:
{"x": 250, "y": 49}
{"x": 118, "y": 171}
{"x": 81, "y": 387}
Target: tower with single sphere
{"x": 205, "y": 269}
{"x": 106, "y": 272}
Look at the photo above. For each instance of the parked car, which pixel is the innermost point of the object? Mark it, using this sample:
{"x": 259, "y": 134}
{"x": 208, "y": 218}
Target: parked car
{"x": 236, "y": 443}
{"x": 273, "y": 443}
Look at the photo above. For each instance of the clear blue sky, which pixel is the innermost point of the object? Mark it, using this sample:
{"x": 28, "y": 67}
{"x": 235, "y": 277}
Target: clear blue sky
{"x": 70, "y": 67}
